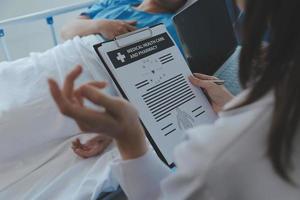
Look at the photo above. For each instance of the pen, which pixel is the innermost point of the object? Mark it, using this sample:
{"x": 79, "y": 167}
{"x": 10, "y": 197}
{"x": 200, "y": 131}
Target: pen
{"x": 219, "y": 82}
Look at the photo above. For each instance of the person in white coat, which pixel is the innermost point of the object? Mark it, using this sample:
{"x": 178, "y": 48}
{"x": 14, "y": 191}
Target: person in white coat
{"x": 252, "y": 152}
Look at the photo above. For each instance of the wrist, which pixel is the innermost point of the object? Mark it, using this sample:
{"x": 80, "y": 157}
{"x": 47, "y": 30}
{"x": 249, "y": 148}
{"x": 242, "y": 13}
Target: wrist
{"x": 98, "y": 26}
{"x": 228, "y": 97}
{"x": 132, "y": 144}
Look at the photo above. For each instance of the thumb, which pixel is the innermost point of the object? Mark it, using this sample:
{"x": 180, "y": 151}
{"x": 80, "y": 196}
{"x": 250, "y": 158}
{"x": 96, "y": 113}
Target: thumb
{"x": 205, "y": 84}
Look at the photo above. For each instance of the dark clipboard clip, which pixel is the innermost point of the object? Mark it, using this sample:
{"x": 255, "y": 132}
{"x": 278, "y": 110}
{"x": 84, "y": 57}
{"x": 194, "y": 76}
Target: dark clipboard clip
{"x": 118, "y": 39}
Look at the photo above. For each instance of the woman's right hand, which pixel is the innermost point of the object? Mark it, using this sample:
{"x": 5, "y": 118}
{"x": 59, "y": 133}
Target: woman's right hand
{"x": 218, "y": 95}
{"x": 119, "y": 119}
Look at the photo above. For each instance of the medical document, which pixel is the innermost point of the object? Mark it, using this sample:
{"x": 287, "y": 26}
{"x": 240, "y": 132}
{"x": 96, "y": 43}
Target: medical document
{"x": 149, "y": 70}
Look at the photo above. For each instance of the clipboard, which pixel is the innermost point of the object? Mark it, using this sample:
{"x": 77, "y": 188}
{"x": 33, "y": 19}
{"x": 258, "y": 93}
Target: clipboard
{"x": 148, "y": 70}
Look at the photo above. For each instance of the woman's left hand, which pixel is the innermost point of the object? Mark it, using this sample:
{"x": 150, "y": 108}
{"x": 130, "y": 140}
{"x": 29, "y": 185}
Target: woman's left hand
{"x": 93, "y": 147}
{"x": 119, "y": 119}
{"x": 218, "y": 95}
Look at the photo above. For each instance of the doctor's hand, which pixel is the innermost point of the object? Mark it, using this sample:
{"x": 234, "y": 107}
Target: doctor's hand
{"x": 118, "y": 120}
{"x": 218, "y": 95}
{"x": 92, "y": 147}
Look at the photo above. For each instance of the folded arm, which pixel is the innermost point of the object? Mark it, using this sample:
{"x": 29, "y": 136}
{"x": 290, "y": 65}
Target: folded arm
{"x": 83, "y": 26}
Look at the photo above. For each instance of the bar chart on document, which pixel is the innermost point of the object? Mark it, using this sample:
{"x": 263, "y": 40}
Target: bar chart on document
{"x": 154, "y": 76}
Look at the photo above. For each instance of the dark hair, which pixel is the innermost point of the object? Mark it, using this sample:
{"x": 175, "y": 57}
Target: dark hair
{"x": 275, "y": 67}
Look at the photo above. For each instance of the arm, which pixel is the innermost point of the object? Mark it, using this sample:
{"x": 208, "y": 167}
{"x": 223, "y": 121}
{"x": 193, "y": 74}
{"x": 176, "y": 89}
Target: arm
{"x": 140, "y": 171}
{"x": 119, "y": 121}
{"x": 140, "y": 178}
{"x": 84, "y": 26}
{"x": 81, "y": 26}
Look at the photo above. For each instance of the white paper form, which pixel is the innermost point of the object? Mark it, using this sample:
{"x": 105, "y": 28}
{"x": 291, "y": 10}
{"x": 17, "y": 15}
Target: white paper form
{"x": 153, "y": 75}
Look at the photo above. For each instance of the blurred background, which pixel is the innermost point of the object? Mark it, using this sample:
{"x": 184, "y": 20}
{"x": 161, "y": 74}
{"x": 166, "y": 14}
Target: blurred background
{"x": 32, "y": 36}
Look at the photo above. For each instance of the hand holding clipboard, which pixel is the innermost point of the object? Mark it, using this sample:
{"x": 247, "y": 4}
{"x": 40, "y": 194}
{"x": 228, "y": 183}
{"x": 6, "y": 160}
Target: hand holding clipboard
{"x": 148, "y": 70}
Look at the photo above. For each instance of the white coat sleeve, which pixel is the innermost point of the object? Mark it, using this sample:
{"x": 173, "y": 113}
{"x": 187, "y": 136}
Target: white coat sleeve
{"x": 147, "y": 178}
{"x": 140, "y": 178}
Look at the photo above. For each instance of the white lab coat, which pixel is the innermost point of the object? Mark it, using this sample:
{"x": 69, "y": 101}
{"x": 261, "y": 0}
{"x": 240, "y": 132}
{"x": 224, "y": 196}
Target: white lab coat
{"x": 224, "y": 161}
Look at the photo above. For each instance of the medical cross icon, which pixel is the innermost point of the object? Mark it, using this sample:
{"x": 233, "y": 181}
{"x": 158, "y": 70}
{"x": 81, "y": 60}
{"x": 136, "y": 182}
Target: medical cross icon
{"x": 121, "y": 57}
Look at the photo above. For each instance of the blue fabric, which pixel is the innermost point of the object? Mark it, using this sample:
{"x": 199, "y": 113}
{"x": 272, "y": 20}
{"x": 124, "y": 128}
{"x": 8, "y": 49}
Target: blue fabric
{"x": 229, "y": 72}
{"x": 232, "y": 10}
{"x": 124, "y": 10}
